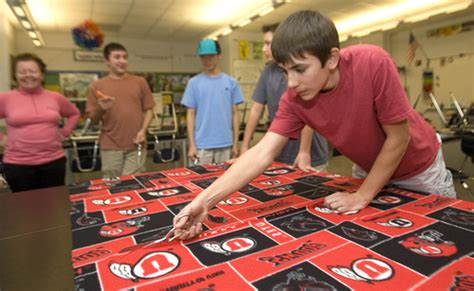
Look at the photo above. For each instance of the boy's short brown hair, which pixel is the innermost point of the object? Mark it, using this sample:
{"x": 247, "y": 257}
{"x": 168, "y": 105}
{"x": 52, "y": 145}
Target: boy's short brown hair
{"x": 270, "y": 27}
{"x": 305, "y": 32}
{"x": 113, "y": 46}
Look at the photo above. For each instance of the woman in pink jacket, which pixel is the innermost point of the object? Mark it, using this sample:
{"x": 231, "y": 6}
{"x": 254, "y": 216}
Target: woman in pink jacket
{"x": 33, "y": 156}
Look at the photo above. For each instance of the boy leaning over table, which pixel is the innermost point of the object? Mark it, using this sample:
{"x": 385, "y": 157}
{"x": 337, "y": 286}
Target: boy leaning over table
{"x": 354, "y": 98}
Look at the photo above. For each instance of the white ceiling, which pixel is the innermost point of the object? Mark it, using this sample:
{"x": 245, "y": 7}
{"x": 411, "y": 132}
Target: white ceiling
{"x": 180, "y": 20}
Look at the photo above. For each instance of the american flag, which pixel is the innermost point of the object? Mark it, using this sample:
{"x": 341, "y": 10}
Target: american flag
{"x": 412, "y": 46}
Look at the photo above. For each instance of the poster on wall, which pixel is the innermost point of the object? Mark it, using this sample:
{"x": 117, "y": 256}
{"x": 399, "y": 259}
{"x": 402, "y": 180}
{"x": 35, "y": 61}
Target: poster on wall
{"x": 174, "y": 82}
{"x": 76, "y": 85}
{"x": 257, "y": 50}
{"x": 428, "y": 81}
{"x": 244, "y": 50}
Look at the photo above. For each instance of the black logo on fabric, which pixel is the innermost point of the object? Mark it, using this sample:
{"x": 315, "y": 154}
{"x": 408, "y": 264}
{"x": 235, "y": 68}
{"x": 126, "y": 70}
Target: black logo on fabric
{"x": 302, "y": 223}
{"x": 85, "y": 220}
{"x": 300, "y": 281}
{"x": 458, "y": 217}
{"x": 463, "y": 282}
{"x": 439, "y": 200}
{"x": 359, "y": 234}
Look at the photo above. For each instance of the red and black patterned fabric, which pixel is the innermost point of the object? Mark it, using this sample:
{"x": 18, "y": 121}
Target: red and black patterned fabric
{"x": 274, "y": 234}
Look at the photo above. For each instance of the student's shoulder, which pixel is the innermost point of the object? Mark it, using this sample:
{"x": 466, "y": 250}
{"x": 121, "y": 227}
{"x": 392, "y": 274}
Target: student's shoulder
{"x": 229, "y": 78}
{"x": 364, "y": 51}
{"x": 135, "y": 78}
{"x": 7, "y": 94}
{"x": 102, "y": 80}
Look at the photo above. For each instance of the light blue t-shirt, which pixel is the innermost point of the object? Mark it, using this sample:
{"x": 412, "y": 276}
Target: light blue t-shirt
{"x": 212, "y": 97}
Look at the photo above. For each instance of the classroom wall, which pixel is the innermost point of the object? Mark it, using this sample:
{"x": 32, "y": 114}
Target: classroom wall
{"x": 144, "y": 55}
{"x": 450, "y": 58}
{"x": 6, "y": 47}
{"x": 453, "y": 74}
{"x": 6, "y": 50}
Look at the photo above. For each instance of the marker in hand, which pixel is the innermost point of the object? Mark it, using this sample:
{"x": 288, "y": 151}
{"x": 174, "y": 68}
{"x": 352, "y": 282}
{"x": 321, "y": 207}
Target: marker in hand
{"x": 99, "y": 95}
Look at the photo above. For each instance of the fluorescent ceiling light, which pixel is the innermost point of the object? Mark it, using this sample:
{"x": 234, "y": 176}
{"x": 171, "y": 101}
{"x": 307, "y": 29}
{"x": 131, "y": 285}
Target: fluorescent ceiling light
{"x": 32, "y": 34}
{"x": 26, "y": 24}
{"x": 428, "y": 14}
{"x": 37, "y": 42}
{"x": 388, "y": 16}
{"x": 19, "y": 11}
{"x": 243, "y": 22}
{"x": 382, "y": 27}
{"x": 266, "y": 10}
{"x": 226, "y": 31}
{"x": 23, "y": 15}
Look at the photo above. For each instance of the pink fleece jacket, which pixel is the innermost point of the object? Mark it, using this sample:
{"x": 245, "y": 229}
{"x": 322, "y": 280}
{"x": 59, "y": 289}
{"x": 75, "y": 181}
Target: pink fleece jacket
{"x": 32, "y": 119}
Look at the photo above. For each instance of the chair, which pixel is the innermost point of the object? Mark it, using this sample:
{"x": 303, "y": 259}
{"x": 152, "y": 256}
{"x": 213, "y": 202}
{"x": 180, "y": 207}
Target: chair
{"x": 467, "y": 147}
{"x": 85, "y": 150}
{"x": 164, "y": 123}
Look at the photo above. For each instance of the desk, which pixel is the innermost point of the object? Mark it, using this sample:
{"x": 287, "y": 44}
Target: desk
{"x": 275, "y": 233}
{"x": 35, "y": 240}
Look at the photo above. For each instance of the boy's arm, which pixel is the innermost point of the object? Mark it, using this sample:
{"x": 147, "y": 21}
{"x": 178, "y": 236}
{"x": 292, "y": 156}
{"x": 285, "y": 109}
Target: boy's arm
{"x": 303, "y": 159}
{"x": 141, "y": 134}
{"x": 256, "y": 112}
{"x": 190, "y": 120}
{"x": 388, "y": 159}
{"x": 97, "y": 104}
{"x": 188, "y": 222}
{"x": 235, "y": 130}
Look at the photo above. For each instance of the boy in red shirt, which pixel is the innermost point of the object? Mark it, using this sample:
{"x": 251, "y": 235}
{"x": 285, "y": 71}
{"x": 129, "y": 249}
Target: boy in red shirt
{"x": 352, "y": 97}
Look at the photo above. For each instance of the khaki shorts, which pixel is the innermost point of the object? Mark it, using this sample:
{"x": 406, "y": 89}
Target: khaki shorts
{"x": 213, "y": 156}
{"x": 117, "y": 163}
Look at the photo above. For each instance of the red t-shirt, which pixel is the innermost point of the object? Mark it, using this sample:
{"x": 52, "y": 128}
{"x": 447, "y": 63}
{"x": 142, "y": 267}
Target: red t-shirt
{"x": 351, "y": 115}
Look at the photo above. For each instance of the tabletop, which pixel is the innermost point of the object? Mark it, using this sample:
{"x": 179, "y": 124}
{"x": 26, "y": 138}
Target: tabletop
{"x": 35, "y": 240}
{"x": 274, "y": 233}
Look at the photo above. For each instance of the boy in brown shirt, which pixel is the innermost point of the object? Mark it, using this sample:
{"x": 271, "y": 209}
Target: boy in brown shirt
{"x": 124, "y": 104}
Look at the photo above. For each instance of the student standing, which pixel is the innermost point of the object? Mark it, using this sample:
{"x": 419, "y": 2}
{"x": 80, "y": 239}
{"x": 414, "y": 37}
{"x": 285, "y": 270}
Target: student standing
{"x": 212, "y": 115}
{"x": 124, "y": 104}
{"x": 34, "y": 157}
{"x": 354, "y": 98}
{"x": 270, "y": 87}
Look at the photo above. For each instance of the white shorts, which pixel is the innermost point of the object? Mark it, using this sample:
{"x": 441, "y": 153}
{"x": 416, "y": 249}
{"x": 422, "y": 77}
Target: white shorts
{"x": 436, "y": 179}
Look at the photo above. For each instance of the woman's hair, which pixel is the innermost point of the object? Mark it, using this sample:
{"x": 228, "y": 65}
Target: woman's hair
{"x": 29, "y": 57}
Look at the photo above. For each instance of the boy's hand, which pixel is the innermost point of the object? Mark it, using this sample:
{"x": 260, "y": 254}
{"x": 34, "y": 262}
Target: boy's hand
{"x": 303, "y": 162}
{"x": 235, "y": 151}
{"x": 104, "y": 101}
{"x": 140, "y": 137}
{"x": 346, "y": 202}
{"x": 192, "y": 153}
{"x": 188, "y": 222}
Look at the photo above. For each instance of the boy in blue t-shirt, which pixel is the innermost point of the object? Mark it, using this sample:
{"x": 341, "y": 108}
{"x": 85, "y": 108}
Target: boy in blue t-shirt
{"x": 212, "y": 99}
